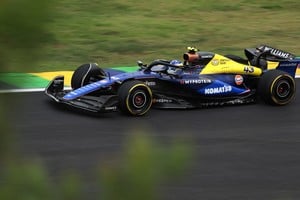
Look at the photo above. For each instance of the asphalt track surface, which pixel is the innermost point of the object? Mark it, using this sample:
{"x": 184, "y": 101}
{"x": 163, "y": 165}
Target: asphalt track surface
{"x": 242, "y": 152}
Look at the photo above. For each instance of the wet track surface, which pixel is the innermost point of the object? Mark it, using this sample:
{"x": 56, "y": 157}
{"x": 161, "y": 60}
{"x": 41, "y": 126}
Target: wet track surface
{"x": 242, "y": 152}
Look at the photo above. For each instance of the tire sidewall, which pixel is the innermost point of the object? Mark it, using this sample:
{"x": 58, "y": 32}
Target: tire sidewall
{"x": 268, "y": 87}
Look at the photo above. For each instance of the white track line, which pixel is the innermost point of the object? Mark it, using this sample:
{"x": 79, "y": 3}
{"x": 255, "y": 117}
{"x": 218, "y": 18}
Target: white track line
{"x": 26, "y": 90}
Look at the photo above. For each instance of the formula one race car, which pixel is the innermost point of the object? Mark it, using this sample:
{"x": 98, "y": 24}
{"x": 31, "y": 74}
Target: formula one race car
{"x": 202, "y": 79}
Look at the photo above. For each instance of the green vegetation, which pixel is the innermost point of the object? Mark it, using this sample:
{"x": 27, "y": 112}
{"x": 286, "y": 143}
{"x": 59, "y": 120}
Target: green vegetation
{"x": 118, "y": 33}
{"x": 23, "y": 32}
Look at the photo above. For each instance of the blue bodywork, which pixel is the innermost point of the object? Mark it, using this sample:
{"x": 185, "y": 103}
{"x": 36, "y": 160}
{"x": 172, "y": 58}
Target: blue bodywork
{"x": 199, "y": 85}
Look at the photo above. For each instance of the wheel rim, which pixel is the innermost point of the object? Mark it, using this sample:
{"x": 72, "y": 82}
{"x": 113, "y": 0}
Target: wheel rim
{"x": 283, "y": 89}
{"x": 139, "y": 99}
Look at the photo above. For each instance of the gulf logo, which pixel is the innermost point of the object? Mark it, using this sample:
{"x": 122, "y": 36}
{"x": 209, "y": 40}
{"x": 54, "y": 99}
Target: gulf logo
{"x": 238, "y": 79}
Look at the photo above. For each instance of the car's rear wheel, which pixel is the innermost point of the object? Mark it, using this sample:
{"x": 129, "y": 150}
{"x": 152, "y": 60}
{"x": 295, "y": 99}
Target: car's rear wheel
{"x": 277, "y": 87}
{"x": 135, "y": 98}
{"x": 85, "y": 74}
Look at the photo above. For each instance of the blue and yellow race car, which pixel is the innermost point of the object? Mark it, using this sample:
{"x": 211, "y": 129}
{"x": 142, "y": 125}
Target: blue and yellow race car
{"x": 201, "y": 79}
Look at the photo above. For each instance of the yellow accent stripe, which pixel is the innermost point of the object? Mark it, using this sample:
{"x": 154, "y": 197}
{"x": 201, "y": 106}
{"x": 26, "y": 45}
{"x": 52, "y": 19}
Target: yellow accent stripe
{"x": 222, "y": 65}
{"x": 298, "y": 71}
{"x": 50, "y": 75}
{"x": 272, "y": 65}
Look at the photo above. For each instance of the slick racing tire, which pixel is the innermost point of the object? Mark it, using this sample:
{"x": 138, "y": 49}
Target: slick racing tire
{"x": 277, "y": 87}
{"x": 135, "y": 98}
{"x": 85, "y": 74}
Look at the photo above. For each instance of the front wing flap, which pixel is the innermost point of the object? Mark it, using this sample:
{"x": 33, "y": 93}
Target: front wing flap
{"x": 101, "y": 103}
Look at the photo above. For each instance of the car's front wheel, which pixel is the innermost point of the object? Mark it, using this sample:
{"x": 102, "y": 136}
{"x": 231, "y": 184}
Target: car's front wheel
{"x": 277, "y": 87}
{"x": 135, "y": 98}
{"x": 85, "y": 74}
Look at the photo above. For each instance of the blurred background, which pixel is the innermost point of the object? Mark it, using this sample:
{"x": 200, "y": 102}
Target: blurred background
{"x": 60, "y": 35}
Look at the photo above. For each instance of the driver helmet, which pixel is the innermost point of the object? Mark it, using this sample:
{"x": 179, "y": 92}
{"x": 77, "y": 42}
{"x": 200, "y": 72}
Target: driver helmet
{"x": 176, "y": 63}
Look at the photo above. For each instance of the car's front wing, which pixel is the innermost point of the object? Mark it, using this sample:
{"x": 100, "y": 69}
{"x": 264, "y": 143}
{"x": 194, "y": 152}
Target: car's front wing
{"x": 101, "y": 103}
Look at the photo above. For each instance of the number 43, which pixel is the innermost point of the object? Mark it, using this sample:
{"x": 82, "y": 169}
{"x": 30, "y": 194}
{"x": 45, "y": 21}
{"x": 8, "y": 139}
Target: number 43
{"x": 248, "y": 69}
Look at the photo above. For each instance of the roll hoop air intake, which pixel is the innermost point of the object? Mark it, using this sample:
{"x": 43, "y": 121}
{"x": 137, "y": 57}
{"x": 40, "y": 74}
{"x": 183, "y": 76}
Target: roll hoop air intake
{"x": 191, "y": 55}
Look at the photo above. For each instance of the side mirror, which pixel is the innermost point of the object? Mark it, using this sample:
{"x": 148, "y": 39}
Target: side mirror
{"x": 140, "y": 63}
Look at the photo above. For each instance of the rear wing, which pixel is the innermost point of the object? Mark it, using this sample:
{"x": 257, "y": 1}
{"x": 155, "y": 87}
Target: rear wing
{"x": 268, "y": 58}
{"x": 269, "y": 53}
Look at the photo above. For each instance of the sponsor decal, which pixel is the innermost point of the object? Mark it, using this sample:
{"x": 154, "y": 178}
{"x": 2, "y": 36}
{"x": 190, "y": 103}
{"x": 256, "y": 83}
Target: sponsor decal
{"x": 111, "y": 108}
{"x": 223, "y": 61}
{"x": 58, "y": 81}
{"x": 150, "y": 83}
{"x": 288, "y": 64}
{"x": 218, "y": 90}
{"x": 279, "y": 53}
{"x": 162, "y": 101}
{"x": 206, "y": 56}
{"x": 195, "y": 81}
{"x": 215, "y": 62}
{"x": 238, "y": 79}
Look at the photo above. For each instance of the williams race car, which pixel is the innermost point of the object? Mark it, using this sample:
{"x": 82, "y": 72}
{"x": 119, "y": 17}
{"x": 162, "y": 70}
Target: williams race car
{"x": 202, "y": 79}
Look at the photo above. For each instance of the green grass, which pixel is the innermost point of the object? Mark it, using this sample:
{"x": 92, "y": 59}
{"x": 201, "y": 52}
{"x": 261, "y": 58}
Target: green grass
{"x": 118, "y": 32}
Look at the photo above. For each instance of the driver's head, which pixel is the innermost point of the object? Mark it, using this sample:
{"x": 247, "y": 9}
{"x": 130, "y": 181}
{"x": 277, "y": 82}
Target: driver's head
{"x": 176, "y": 63}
